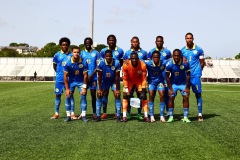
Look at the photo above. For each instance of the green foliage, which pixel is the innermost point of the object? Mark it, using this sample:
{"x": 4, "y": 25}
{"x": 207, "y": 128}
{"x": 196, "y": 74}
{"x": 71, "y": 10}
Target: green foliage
{"x": 48, "y": 50}
{"x": 100, "y": 47}
{"x": 237, "y": 56}
{"x": 27, "y": 132}
{"x": 208, "y": 57}
{"x": 13, "y": 44}
{"x": 6, "y": 52}
{"x": 82, "y": 47}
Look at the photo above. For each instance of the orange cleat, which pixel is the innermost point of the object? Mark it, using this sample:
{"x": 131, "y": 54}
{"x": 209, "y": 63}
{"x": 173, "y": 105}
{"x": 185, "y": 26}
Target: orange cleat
{"x": 55, "y": 116}
{"x": 73, "y": 117}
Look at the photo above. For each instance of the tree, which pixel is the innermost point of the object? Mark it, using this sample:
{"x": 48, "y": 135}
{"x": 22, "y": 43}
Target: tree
{"x": 100, "y": 47}
{"x": 6, "y": 52}
{"x": 23, "y": 44}
{"x": 13, "y": 44}
{"x": 48, "y": 50}
{"x": 237, "y": 56}
{"x": 208, "y": 57}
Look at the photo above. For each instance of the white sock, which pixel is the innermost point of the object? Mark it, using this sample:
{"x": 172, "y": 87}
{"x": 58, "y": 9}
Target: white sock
{"x": 145, "y": 114}
{"x": 200, "y": 114}
{"x": 68, "y": 113}
{"x": 72, "y": 113}
{"x": 56, "y": 113}
{"x": 83, "y": 113}
{"x": 124, "y": 114}
{"x": 152, "y": 117}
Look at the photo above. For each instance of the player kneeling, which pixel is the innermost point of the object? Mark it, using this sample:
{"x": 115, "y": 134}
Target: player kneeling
{"x": 134, "y": 74}
{"x": 178, "y": 78}
{"x": 108, "y": 76}
{"x": 76, "y": 75}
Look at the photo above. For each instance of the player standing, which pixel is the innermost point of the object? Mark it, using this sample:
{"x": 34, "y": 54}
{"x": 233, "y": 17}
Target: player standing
{"x": 195, "y": 56}
{"x": 155, "y": 68}
{"x": 178, "y": 79}
{"x": 134, "y": 74}
{"x": 117, "y": 54}
{"x": 91, "y": 56}
{"x": 58, "y": 64}
{"x": 165, "y": 54}
{"x": 142, "y": 55}
{"x": 76, "y": 75}
{"x": 108, "y": 76}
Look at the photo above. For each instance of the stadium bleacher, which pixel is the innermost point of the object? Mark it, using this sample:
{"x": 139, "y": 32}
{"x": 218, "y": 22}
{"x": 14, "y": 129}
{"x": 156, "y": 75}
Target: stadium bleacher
{"x": 24, "y": 68}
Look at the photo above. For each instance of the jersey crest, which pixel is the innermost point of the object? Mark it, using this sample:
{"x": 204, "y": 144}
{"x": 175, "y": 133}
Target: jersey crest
{"x": 113, "y": 68}
{"x": 63, "y": 63}
{"x": 116, "y": 53}
{"x": 80, "y": 66}
{"x": 195, "y": 52}
{"x": 139, "y": 72}
{"x": 182, "y": 67}
{"x": 164, "y": 54}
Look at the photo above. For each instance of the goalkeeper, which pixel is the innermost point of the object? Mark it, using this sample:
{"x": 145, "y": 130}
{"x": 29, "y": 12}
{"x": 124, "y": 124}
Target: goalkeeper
{"x": 134, "y": 74}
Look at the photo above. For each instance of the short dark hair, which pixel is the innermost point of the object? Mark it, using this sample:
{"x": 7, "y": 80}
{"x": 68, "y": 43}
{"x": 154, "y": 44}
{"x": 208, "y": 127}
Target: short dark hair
{"x": 189, "y": 33}
{"x": 113, "y": 36}
{"x": 133, "y": 53}
{"x": 64, "y": 39}
{"x": 155, "y": 52}
{"x": 178, "y": 50}
{"x": 159, "y": 37}
{"x": 108, "y": 51}
{"x": 75, "y": 47}
{"x": 88, "y": 38}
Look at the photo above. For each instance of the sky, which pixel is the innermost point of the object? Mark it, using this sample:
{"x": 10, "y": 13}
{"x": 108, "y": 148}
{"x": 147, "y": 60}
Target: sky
{"x": 215, "y": 24}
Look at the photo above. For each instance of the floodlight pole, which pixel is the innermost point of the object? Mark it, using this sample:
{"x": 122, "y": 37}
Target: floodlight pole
{"x": 91, "y": 17}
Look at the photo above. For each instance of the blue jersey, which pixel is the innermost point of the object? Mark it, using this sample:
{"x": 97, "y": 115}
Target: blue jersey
{"x": 142, "y": 54}
{"x": 109, "y": 70}
{"x": 117, "y": 53}
{"x": 91, "y": 59}
{"x": 165, "y": 54}
{"x": 193, "y": 56}
{"x": 75, "y": 70}
{"x": 155, "y": 75}
{"x": 60, "y": 59}
{"x": 178, "y": 72}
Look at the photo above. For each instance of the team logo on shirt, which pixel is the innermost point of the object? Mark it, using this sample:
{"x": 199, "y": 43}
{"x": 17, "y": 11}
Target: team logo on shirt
{"x": 69, "y": 57}
{"x": 195, "y": 52}
{"x": 57, "y": 90}
{"x": 88, "y": 61}
{"x": 113, "y": 68}
{"x": 164, "y": 54}
{"x": 116, "y": 53}
{"x": 63, "y": 63}
{"x": 139, "y": 72}
{"x": 182, "y": 67}
{"x": 93, "y": 55}
{"x": 80, "y": 66}
{"x": 162, "y": 67}
{"x": 140, "y": 54}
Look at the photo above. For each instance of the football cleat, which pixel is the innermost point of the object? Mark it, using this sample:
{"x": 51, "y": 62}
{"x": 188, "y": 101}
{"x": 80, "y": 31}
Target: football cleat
{"x": 84, "y": 119}
{"x": 79, "y": 117}
{"x": 98, "y": 118}
{"x": 200, "y": 118}
{"x": 118, "y": 119}
{"x": 68, "y": 119}
{"x": 185, "y": 119}
{"x": 124, "y": 119}
{"x": 129, "y": 116}
{"x": 94, "y": 116}
{"x": 55, "y": 116}
{"x": 146, "y": 119}
{"x": 115, "y": 116}
{"x": 139, "y": 117}
{"x": 104, "y": 116}
{"x": 170, "y": 120}
{"x": 162, "y": 119}
{"x": 73, "y": 117}
{"x": 152, "y": 119}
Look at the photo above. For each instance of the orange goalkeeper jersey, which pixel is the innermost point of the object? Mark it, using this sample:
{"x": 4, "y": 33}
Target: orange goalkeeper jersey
{"x": 134, "y": 75}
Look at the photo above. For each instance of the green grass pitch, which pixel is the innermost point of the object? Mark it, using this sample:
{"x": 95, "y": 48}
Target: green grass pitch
{"x": 27, "y": 132}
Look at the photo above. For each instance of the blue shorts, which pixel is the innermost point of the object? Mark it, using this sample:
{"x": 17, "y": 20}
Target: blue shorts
{"x": 76, "y": 84}
{"x": 59, "y": 86}
{"x": 154, "y": 87}
{"x": 180, "y": 88}
{"x": 92, "y": 85}
{"x": 107, "y": 86}
{"x": 196, "y": 84}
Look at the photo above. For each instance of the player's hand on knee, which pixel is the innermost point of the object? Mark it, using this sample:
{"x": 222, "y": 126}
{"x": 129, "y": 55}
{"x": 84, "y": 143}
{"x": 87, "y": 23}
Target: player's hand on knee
{"x": 83, "y": 92}
{"x": 68, "y": 93}
{"x": 99, "y": 93}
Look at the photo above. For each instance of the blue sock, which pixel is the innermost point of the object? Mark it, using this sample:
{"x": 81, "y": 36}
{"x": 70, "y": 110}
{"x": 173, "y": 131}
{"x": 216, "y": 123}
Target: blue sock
{"x": 104, "y": 102}
{"x": 170, "y": 110}
{"x": 68, "y": 103}
{"x": 199, "y": 102}
{"x": 98, "y": 106}
{"x": 166, "y": 98}
{"x": 185, "y": 112}
{"x": 57, "y": 103}
{"x": 118, "y": 106}
{"x": 83, "y": 104}
{"x": 72, "y": 103}
{"x": 162, "y": 106}
{"x": 151, "y": 108}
